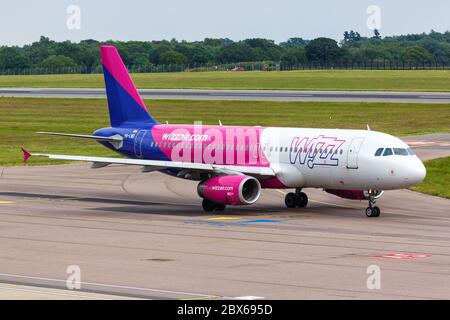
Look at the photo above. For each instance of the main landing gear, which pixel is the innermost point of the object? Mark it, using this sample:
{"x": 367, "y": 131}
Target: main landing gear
{"x": 210, "y": 206}
{"x": 298, "y": 199}
{"x": 372, "y": 211}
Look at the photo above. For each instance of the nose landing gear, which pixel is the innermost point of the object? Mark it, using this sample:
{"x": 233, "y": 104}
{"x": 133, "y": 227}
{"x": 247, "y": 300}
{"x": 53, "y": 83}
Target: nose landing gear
{"x": 372, "y": 211}
{"x": 298, "y": 199}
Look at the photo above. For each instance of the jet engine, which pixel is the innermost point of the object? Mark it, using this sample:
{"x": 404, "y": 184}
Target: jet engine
{"x": 230, "y": 190}
{"x": 356, "y": 194}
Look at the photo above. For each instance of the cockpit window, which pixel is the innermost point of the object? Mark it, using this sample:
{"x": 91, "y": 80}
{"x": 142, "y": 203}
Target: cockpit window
{"x": 400, "y": 152}
{"x": 379, "y": 152}
{"x": 387, "y": 152}
{"x": 410, "y": 151}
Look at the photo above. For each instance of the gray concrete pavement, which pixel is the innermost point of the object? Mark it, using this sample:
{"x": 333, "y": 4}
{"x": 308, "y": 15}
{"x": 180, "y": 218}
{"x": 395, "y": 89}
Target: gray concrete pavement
{"x": 265, "y": 95}
{"x": 430, "y": 146}
{"x": 144, "y": 235}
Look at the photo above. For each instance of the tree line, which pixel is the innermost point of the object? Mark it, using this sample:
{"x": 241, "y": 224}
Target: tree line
{"x": 84, "y": 56}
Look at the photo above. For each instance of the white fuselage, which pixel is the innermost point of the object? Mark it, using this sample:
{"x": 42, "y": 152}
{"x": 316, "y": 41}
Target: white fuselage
{"x": 340, "y": 159}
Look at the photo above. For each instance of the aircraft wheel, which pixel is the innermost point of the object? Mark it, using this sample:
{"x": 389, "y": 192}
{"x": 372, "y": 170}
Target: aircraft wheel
{"x": 372, "y": 212}
{"x": 301, "y": 200}
{"x": 377, "y": 211}
{"x": 290, "y": 200}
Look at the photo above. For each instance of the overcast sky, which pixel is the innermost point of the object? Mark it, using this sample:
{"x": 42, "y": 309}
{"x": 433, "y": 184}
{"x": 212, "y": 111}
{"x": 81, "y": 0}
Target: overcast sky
{"x": 24, "y": 21}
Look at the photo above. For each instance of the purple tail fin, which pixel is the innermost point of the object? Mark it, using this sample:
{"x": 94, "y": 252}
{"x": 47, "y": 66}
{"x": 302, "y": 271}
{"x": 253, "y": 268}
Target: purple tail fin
{"x": 126, "y": 107}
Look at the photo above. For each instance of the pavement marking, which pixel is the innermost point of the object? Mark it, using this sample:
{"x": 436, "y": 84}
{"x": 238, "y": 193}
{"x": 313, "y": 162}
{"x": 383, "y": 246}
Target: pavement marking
{"x": 404, "y": 256}
{"x": 185, "y": 293}
{"x": 46, "y": 292}
{"x": 6, "y": 202}
{"x": 420, "y": 143}
{"x": 223, "y": 218}
{"x": 261, "y": 220}
{"x": 428, "y": 143}
{"x": 202, "y": 298}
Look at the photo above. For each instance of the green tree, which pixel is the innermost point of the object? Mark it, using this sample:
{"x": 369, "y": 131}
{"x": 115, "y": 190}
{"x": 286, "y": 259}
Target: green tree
{"x": 236, "y": 52}
{"x": 294, "y": 42}
{"x": 416, "y": 54}
{"x": 439, "y": 50}
{"x": 323, "y": 50}
{"x": 293, "y": 56}
{"x": 376, "y": 34}
{"x": 40, "y": 50}
{"x": 58, "y": 62}
{"x": 13, "y": 58}
{"x": 173, "y": 57}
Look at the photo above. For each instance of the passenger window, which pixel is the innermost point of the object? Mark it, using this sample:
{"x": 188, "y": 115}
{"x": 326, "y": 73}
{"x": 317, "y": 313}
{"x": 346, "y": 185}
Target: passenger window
{"x": 379, "y": 152}
{"x": 400, "y": 152}
{"x": 387, "y": 152}
{"x": 342, "y": 151}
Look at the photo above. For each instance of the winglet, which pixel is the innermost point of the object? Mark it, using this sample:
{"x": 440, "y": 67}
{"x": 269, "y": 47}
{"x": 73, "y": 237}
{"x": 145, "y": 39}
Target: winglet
{"x": 26, "y": 154}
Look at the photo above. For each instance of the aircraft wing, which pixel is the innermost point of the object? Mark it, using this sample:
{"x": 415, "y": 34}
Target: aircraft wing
{"x": 150, "y": 165}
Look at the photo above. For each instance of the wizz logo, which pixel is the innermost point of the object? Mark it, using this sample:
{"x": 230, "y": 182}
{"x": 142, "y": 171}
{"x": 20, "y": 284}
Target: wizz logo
{"x": 318, "y": 151}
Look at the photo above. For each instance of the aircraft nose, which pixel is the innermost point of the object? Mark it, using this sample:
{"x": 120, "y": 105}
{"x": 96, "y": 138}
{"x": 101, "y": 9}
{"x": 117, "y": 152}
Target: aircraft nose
{"x": 416, "y": 172}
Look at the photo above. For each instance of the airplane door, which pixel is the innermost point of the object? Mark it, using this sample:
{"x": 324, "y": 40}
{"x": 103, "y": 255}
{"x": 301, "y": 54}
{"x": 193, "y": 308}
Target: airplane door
{"x": 138, "y": 142}
{"x": 267, "y": 152}
{"x": 353, "y": 152}
{"x": 254, "y": 153}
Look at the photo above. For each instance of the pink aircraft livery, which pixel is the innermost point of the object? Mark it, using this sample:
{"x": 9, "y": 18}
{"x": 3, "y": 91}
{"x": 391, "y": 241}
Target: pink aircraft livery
{"x": 233, "y": 164}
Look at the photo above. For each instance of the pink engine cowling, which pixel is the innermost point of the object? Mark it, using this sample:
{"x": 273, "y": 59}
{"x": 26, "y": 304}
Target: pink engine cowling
{"x": 230, "y": 190}
{"x": 355, "y": 194}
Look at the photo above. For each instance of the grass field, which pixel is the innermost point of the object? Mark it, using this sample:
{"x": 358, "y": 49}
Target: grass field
{"x": 21, "y": 117}
{"x": 408, "y": 80}
{"x": 437, "y": 182}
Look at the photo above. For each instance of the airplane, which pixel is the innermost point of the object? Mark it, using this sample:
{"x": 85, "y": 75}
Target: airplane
{"x": 233, "y": 163}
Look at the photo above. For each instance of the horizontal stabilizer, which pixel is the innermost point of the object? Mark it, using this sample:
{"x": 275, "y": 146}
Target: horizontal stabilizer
{"x": 115, "y": 140}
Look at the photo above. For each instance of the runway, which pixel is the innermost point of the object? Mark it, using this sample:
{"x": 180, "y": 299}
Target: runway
{"x": 256, "y": 95}
{"x": 144, "y": 235}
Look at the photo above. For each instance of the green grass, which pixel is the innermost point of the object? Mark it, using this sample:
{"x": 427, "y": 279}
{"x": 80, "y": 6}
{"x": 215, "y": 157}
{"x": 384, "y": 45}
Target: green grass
{"x": 20, "y": 118}
{"x": 408, "y": 80}
{"x": 437, "y": 182}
